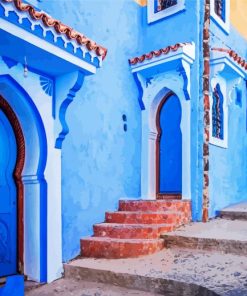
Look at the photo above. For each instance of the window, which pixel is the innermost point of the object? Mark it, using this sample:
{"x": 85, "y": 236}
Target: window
{"x": 158, "y": 9}
{"x": 217, "y": 114}
{"x": 163, "y": 4}
{"x": 220, "y": 11}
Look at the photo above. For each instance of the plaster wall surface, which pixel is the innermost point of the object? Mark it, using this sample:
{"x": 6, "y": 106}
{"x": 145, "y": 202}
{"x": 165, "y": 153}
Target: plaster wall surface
{"x": 100, "y": 162}
{"x": 228, "y": 166}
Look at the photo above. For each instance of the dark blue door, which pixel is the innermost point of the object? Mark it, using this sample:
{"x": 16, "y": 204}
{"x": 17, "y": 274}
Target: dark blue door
{"x": 170, "y": 158}
{"x": 8, "y": 199}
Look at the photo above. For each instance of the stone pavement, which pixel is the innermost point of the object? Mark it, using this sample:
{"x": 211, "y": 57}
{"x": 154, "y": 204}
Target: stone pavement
{"x": 200, "y": 259}
{"x": 229, "y": 236}
{"x": 238, "y": 211}
{"x": 68, "y": 287}
{"x": 175, "y": 272}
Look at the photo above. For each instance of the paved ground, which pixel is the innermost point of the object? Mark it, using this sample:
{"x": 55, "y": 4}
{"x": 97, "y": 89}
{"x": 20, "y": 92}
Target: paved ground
{"x": 215, "y": 229}
{"x": 169, "y": 270}
{"x": 173, "y": 271}
{"x": 241, "y": 207}
{"x": 68, "y": 287}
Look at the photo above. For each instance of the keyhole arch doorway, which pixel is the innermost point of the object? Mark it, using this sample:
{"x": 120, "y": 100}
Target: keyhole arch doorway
{"x": 169, "y": 147}
{"x": 17, "y": 175}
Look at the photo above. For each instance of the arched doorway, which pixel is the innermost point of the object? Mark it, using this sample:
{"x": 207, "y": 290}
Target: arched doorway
{"x": 169, "y": 148}
{"x": 12, "y": 156}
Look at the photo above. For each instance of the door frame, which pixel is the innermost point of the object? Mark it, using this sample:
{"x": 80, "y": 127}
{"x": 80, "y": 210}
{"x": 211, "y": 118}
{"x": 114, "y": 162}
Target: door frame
{"x": 157, "y": 152}
{"x": 20, "y": 143}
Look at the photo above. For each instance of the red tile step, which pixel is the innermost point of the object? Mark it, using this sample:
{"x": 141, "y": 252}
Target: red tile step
{"x": 112, "y": 248}
{"x": 167, "y": 217}
{"x": 169, "y": 196}
{"x": 154, "y": 205}
{"x": 133, "y": 231}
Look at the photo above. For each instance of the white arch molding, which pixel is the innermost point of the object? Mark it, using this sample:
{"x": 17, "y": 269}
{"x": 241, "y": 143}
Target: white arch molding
{"x": 156, "y": 78}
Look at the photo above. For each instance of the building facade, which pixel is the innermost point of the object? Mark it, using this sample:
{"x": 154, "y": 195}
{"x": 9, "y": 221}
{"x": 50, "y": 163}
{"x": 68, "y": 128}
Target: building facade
{"x": 162, "y": 111}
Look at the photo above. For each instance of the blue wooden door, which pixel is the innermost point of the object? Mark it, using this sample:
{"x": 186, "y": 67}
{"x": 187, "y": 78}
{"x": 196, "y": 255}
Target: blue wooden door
{"x": 8, "y": 199}
{"x": 170, "y": 154}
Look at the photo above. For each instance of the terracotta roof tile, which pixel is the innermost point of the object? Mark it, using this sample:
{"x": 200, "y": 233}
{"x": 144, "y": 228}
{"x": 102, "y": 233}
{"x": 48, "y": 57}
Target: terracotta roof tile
{"x": 59, "y": 27}
{"x": 234, "y": 56}
{"x": 156, "y": 53}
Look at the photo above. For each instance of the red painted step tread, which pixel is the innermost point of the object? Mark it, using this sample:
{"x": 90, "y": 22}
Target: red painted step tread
{"x": 135, "y": 226}
{"x": 120, "y": 240}
{"x": 99, "y": 247}
{"x": 153, "y": 205}
{"x": 132, "y": 231}
{"x": 145, "y": 213}
{"x": 168, "y": 217}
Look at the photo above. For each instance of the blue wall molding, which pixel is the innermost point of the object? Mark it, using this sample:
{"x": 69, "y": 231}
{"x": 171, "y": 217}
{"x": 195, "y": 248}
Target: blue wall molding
{"x": 228, "y": 74}
{"x": 75, "y": 82}
{"x": 169, "y": 72}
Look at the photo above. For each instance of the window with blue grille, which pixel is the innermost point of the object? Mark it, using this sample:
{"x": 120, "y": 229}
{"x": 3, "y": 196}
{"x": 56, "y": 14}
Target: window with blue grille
{"x": 220, "y": 14}
{"x": 159, "y": 9}
{"x": 160, "y": 5}
{"x": 217, "y": 113}
{"x": 220, "y": 9}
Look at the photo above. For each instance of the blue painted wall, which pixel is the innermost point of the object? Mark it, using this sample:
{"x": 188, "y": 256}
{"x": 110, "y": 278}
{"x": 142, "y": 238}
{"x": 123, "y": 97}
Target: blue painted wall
{"x": 101, "y": 162}
{"x": 228, "y": 167}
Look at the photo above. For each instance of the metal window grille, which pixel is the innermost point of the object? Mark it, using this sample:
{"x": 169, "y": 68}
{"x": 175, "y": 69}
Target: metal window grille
{"x": 219, "y": 8}
{"x": 164, "y": 4}
{"x": 217, "y": 113}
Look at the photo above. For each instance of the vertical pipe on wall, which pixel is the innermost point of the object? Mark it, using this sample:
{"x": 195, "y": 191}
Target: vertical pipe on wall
{"x": 206, "y": 73}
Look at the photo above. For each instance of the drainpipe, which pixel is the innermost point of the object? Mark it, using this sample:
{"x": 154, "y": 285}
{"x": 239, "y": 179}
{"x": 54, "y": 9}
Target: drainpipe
{"x": 206, "y": 74}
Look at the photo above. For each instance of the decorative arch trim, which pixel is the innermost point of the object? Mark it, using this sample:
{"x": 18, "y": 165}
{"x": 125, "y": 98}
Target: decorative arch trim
{"x": 157, "y": 74}
{"x": 20, "y": 141}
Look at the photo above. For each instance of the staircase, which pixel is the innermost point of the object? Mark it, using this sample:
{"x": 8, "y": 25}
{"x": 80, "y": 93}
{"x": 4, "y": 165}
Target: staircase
{"x": 225, "y": 234}
{"x": 135, "y": 229}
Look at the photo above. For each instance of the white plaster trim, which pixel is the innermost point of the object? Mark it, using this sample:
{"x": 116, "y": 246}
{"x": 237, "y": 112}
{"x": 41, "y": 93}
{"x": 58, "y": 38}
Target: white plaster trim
{"x": 152, "y": 16}
{"x": 173, "y": 75}
{"x": 229, "y": 74}
{"x": 44, "y": 45}
{"x": 224, "y": 25}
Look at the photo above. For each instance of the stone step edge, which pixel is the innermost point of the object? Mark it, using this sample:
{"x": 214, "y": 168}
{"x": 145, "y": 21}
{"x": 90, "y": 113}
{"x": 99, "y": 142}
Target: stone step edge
{"x": 227, "y": 246}
{"x": 233, "y": 215}
{"x": 162, "y": 286}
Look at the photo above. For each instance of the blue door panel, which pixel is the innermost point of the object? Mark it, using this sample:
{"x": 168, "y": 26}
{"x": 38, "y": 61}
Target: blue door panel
{"x": 8, "y": 199}
{"x": 171, "y": 147}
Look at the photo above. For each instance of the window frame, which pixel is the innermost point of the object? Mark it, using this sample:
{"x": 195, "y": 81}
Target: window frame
{"x": 155, "y": 16}
{"x": 223, "y": 143}
{"x": 224, "y": 25}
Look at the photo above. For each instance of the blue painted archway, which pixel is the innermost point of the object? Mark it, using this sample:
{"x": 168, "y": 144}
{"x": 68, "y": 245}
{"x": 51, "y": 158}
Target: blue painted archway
{"x": 31, "y": 177}
{"x": 169, "y": 146}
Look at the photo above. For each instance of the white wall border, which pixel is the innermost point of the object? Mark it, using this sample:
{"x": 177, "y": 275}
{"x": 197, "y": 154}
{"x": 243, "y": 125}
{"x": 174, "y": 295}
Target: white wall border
{"x": 224, "y": 25}
{"x": 155, "y": 16}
